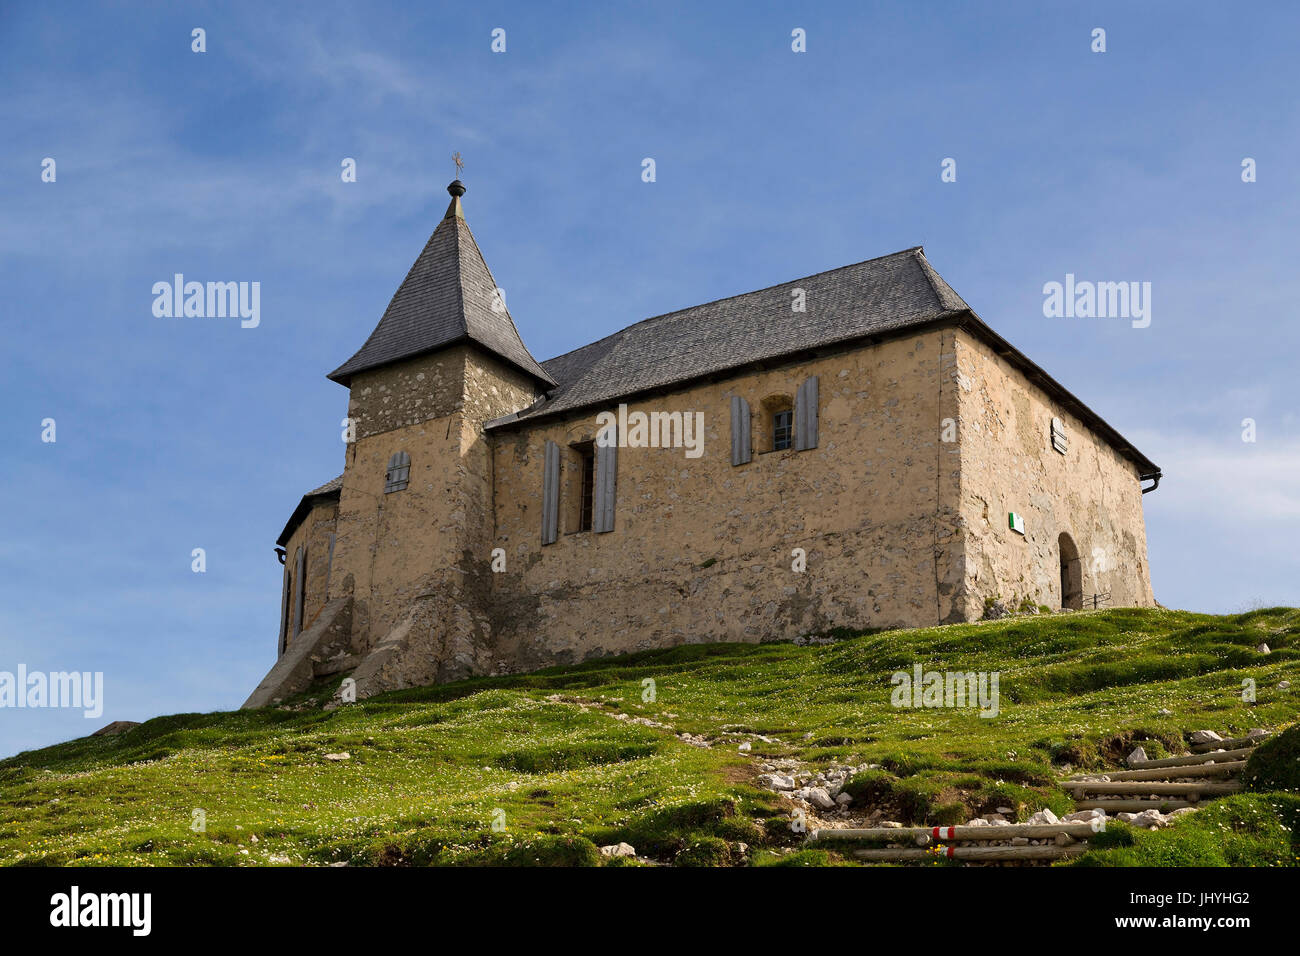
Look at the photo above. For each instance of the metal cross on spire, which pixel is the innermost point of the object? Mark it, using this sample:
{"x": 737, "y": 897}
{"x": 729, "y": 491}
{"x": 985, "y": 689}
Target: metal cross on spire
{"x": 460, "y": 163}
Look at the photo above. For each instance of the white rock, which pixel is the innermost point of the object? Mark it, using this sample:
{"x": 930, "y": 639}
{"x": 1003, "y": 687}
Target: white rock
{"x": 1258, "y": 731}
{"x": 746, "y": 747}
{"x": 1006, "y": 810}
{"x": 995, "y": 818}
{"x": 843, "y": 799}
{"x": 1137, "y": 756}
{"x": 820, "y": 799}
{"x": 978, "y": 822}
{"x": 1043, "y": 817}
{"x": 776, "y": 781}
{"x": 1283, "y": 684}
{"x": 343, "y": 756}
{"x": 1263, "y": 649}
{"x": 1085, "y": 816}
{"x": 1164, "y": 712}
{"x": 1205, "y": 737}
{"x": 618, "y": 849}
{"x": 1181, "y": 812}
{"x": 1151, "y": 819}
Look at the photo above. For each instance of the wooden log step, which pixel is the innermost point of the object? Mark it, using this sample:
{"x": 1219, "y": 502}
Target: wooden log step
{"x": 1138, "y": 788}
{"x": 1235, "y": 742}
{"x": 973, "y": 853}
{"x": 1194, "y": 759}
{"x": 1046, "y": 831}
{"x": 1133, "y": 806}
{"x": 1164, "y": 773}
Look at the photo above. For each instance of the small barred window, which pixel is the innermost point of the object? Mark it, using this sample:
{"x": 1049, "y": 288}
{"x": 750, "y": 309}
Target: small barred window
{"x": 782, "y": 430}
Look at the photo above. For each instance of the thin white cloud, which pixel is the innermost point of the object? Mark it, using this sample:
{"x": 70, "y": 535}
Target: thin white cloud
{"x": 1219, "y": 482}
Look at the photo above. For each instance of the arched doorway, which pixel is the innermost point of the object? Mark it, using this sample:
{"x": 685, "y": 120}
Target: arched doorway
{"x": 1071, "y": 573}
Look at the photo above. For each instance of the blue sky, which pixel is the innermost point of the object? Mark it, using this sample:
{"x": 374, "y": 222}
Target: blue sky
{"x": 174, "y": 434}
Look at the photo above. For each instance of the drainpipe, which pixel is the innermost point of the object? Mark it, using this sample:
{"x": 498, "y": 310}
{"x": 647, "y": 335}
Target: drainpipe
{"x": 1154, "y": 477}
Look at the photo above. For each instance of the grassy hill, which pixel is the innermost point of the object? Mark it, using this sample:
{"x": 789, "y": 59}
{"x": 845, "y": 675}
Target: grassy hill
{"x": 565, "y": 760}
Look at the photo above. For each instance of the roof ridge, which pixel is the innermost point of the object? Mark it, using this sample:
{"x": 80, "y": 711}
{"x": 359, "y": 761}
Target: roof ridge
{"x": 493, "y": 279}
{"x": 945, "y": 296}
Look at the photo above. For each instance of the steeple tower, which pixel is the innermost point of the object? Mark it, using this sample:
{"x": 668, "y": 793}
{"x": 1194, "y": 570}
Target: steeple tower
{"x": 448, "y": 296}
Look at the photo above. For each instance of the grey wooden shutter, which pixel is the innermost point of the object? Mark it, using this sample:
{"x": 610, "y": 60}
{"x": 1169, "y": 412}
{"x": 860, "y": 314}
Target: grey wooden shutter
{"x": 602, "y": 509}
{"x": 300, "y": 563}
{"x": 805, "y": 416}
{"x": 740, "y": 444}
{"x": 551, "y": 493}
{"x": 399, "y": 472}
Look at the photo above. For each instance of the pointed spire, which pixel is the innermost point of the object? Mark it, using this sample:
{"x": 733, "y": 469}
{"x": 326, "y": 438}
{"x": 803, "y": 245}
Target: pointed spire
{"x": 448, "y": 296}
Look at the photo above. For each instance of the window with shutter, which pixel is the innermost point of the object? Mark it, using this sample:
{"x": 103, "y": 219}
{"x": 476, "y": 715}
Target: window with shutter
{"x": 399, "y": 472}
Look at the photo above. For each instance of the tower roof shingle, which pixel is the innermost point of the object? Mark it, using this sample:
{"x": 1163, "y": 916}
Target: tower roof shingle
{"x": 448, "y": 296}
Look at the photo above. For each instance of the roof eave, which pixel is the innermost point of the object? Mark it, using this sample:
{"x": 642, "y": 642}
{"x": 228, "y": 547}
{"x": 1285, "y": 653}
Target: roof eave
{"x": 343, "y": 375}
{"x": 524, "y": 418}
{"x": 1063, "y": 396}
{"x": 308, "y": 502}
{"x": 962, "y": 318}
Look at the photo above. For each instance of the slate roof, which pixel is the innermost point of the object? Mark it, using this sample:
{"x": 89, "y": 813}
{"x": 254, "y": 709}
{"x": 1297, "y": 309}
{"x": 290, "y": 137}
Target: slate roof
{"x": 894, "y": 294}
{"x": 446, "y": 298}
{"x": 874, "y": 297}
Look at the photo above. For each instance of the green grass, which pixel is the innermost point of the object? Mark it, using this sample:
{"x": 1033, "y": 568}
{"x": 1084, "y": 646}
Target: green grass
{"x": 1248, "y": 829}
{"x": 535, "y": 769}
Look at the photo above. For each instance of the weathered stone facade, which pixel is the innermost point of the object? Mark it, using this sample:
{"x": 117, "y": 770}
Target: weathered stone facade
{"x": 927, "y": 435}
{"x": 1008, "y": 465}
{"x": 703, "y": 551}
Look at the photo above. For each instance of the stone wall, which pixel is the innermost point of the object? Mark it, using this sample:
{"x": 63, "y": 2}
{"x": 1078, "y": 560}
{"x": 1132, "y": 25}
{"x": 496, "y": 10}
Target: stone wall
{"x": 1008, "y": 465}
{"x": 416, "y": 546}
{"x": 408, "y": 393}
{"x": 925, "y": 443}
{"x": 702, "y": 550}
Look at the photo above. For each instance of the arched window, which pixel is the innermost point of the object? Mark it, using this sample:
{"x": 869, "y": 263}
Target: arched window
{"x": 284, "y": 609}
{"x": 399, "y": 472}
{"x": 1071, "y": 573}
{"x": 299, "y": 588}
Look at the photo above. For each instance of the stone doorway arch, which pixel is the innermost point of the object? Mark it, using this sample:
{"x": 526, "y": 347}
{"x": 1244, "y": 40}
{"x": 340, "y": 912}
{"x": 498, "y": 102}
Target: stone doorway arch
{"x": 1071, "y": 573}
